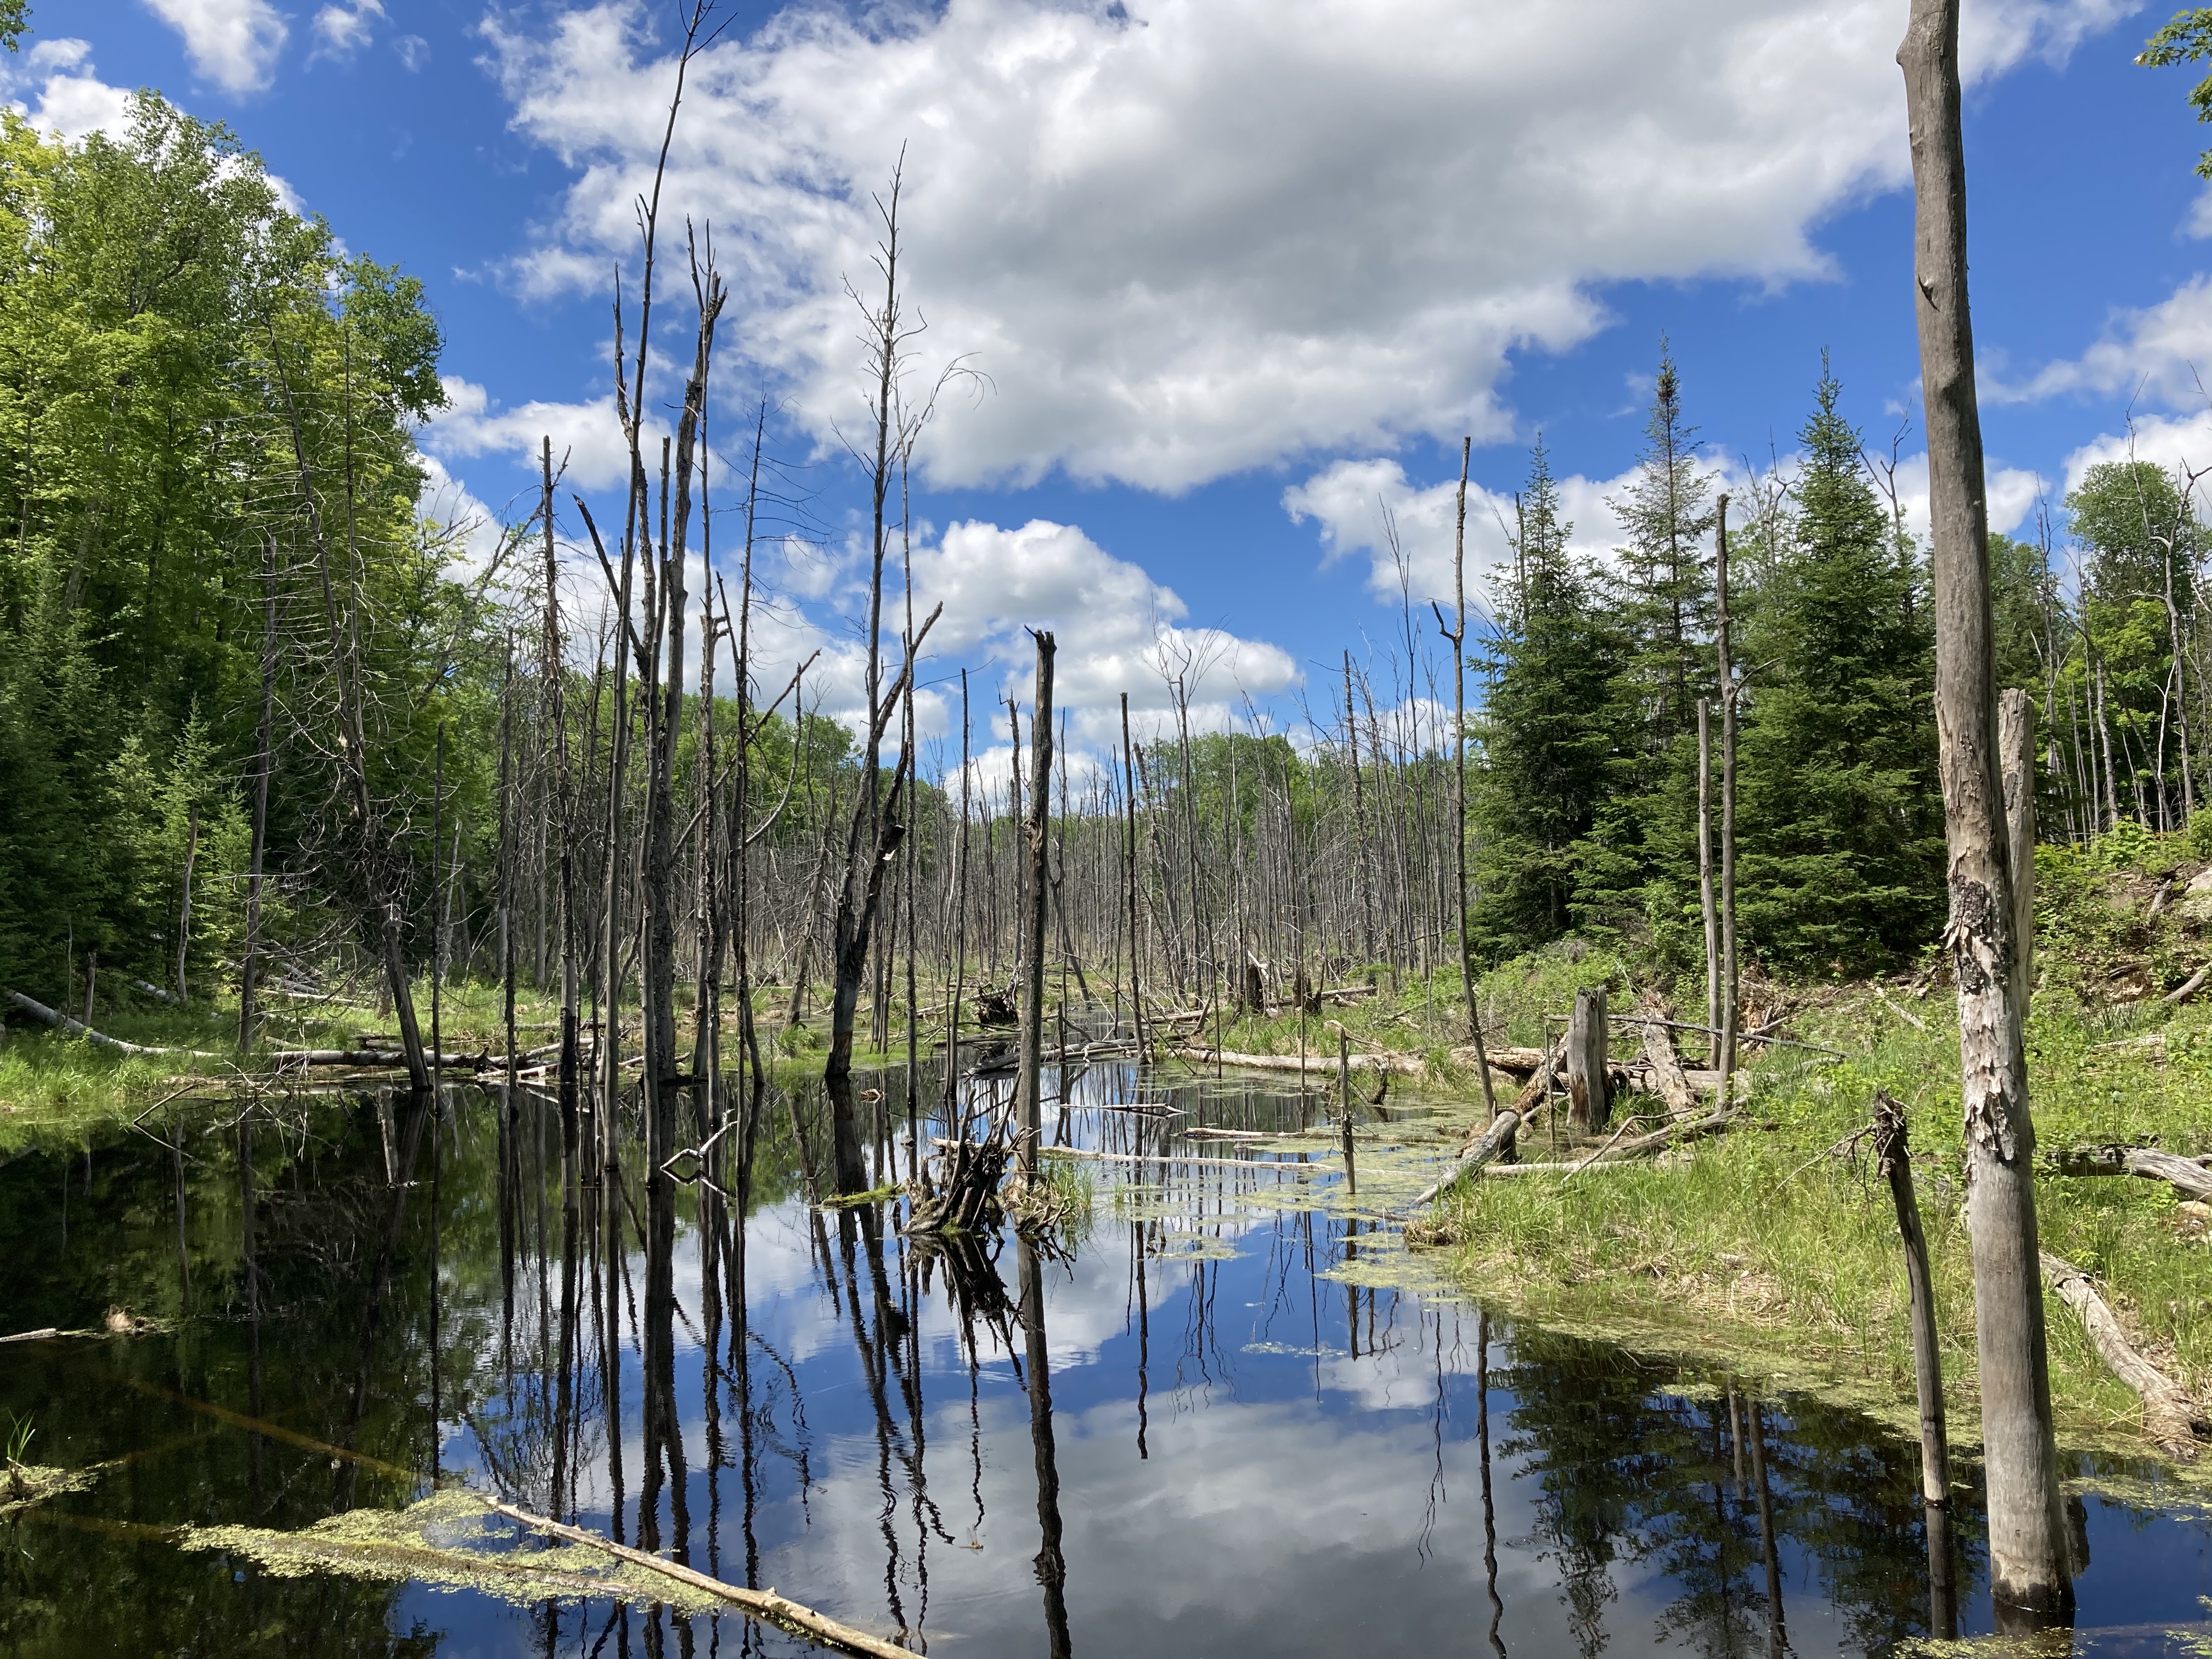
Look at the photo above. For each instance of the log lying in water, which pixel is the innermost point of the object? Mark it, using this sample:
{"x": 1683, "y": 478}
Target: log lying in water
{"x": 62, "y": 1022}
{"x": 2186, "y": 1175}
{"x": 1494, "y": 1142}
{"x": 1405, "y": 1065}
{"x": 766, "y": 1605}
{"x": 2169, "y": 1413}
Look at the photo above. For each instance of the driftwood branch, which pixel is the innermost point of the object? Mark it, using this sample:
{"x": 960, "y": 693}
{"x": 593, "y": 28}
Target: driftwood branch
{"x": 766, "y": 1605}
{"x": 2168, "y": 1412}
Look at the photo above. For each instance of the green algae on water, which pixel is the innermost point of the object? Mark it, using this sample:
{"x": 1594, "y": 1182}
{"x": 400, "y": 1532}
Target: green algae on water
{"x": 25, "y": 1484}
{"x": 441, "y": 1542}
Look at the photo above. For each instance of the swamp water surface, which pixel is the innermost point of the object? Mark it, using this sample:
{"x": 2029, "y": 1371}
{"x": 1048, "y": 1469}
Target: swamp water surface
{"x": 1250, "y": 1424}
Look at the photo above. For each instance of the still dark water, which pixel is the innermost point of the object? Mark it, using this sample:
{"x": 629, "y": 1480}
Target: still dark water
{"x": 1257, "y": 1428}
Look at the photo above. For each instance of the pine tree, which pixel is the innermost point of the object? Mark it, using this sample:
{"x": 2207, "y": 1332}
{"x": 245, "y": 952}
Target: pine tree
{"x": 1546, "y": 729}
{"x": 1841, "y": 823}
{"x": 1664, "y": 581}
{"x": 1640, "y": 867}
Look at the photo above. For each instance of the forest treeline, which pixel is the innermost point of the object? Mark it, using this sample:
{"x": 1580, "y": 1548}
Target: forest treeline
{"x": 232, "y": 641}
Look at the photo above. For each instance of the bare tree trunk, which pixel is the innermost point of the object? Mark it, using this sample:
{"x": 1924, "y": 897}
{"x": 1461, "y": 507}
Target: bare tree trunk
{"x": 250, "y": 959}
{"x": 1730, "y": 987}
{"x": 1030, "y": 1082}
{"x": 1129, "y": 804}
{"x": 2029, "y": 1580}
{"x": 184, "y": 907}
{"x": 556, "y": 715}
{"x": 2016, "y": 757}
{"x": 1458, "y": 638}
{"x": 1705, "y": 878}
{"x": 1892, "y": 1150}
{"x": 1588, "y": 1068}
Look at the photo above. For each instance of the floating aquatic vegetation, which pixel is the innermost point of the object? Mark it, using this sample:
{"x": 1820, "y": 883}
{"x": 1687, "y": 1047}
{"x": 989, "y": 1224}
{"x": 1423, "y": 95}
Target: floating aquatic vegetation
{"x": 449, "y": 1542}
{"x": 25, "y": 1484}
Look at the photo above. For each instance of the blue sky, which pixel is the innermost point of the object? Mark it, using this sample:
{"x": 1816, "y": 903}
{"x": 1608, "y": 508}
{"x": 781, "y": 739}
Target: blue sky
{"x": 1238, "y": 273}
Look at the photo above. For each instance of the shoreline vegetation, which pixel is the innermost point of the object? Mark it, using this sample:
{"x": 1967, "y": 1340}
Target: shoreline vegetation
{"x": 1769, "y": 1248}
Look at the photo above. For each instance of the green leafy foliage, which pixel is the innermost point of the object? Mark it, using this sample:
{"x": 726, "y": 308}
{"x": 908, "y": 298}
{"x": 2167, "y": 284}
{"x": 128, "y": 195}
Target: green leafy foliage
{"x": 2186, "y": 39}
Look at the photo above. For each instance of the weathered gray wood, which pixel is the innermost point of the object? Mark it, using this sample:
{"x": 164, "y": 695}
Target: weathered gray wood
{"x": 1707, "y": 903}
{"x": 2029, "y": 1578}
{"x": 2168, "y": 1412}
{"x": 1664, "y": 1066}
{"x": 1029, "y": 1085}
{"x": 1496, "y": 1141}
{"x": 65, "y": 1023}
{"x": 2016, "y": 754}
{"x": 1730, "y": 985}
{"x": 1589, "y": 1104}
{"x": 2186, "y": 1175}
{"x": 1891, "y": 1149}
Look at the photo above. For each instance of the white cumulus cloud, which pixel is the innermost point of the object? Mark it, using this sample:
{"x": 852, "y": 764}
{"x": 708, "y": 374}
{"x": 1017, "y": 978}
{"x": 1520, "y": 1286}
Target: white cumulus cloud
{"x": 589, "y": 434}
{"x": 73, "y": 101}
{"x": 2163, "y": 352}
{"x": 1189, "y": 237}
{"x": 233, "y": 43}
{"x": 341, "y": 31}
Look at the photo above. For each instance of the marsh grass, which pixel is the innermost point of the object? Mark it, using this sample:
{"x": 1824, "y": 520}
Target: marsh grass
{"x": 1771, "y": 1248}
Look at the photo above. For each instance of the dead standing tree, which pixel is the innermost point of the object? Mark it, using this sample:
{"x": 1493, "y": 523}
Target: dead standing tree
{"x": 1030, "y": 1083}
{"x": 875, "y": 831}
{"x": 2029, "y": 1580}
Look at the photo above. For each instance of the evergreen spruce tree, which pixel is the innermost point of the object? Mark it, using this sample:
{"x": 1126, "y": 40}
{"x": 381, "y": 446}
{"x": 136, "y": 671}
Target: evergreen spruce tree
{"x": 1841, "y": 861}
{"x": 1639, "y": 868}
{"x": 1546, "y": 729}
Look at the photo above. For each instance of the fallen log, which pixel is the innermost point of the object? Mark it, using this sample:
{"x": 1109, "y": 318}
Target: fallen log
{"x": 1496, "y": 1141}
{"x": 766, "y": 1605}
{"x": 62, "y": 1022}
{"x": 2185, "y": 1174}
{"x": 1664, "y": 1067}
{"x": 1181, "y": 1158}
{"x": 2169, "y": 1414}
{"x": 370, "y": 1059}
{"x": 1405, "y": 1065}
{"x": 2188, "y": 987}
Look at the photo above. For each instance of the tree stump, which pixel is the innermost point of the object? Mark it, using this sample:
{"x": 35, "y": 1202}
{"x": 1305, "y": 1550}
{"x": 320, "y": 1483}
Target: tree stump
{"x": 1589, "y": 1105}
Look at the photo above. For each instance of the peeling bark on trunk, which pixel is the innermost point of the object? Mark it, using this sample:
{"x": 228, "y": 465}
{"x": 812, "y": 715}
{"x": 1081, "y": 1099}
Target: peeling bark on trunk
{"x": 2029, "y": 1580}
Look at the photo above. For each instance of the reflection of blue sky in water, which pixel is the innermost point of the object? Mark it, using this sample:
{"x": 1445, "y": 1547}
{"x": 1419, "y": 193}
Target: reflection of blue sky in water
{"x": 1310, "y": 1478}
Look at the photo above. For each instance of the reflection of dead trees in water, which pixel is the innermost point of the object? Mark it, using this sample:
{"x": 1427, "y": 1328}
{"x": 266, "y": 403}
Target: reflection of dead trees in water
{"x": 662, "y": 1422}
{"x": 418, "y": 1115}
{"x": 1489, "y": 1511}
{"x": 971, "y": 1281}
{"x": 1051, "y": 1562}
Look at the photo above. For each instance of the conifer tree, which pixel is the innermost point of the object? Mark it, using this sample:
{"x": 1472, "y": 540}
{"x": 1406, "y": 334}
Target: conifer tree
{"x": 1546, "y": 732}
{"x": 1640, "y": 867}
{"x": 1841, "y": 855}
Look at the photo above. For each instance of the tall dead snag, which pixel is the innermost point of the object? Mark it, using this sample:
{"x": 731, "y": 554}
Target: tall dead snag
{"x": 344, "y": 631}
{"x": 1030, "y": 1083}
{"x": 1705, "y": 900}
{"x": 1891, "y": 1152}
{"x": 875, "y": 831}
{"x": 556, "y": 716}
{"x": 2016, "y": 757}
{"x": 249, "y": 957}
{"x": 1725, "y": 1034}
{"x": 2029, "y": 1580}
{"x": 1457, "y": 635}
{"x": 660, "y": 826}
